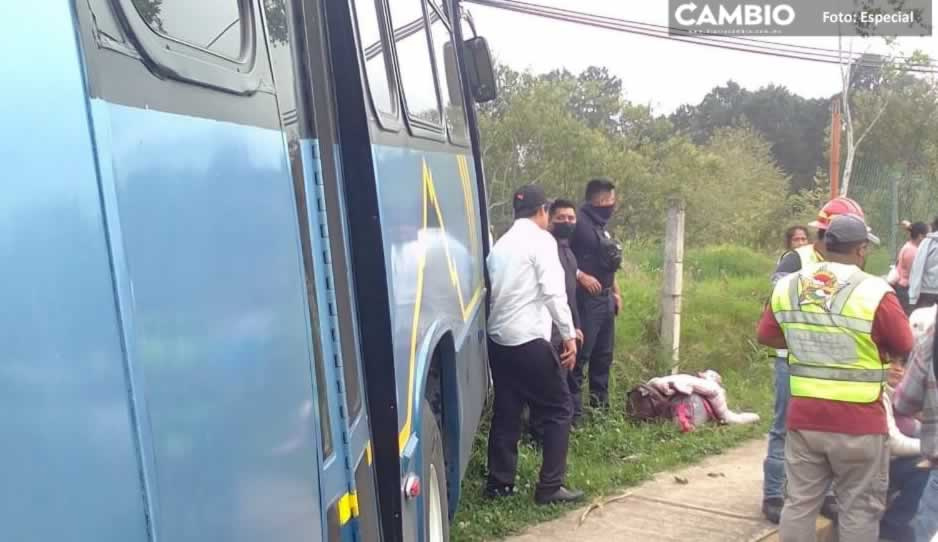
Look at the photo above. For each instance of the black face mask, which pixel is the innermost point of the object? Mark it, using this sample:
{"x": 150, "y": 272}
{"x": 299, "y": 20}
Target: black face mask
{"x": 563, "y": 230}
{"x": 604, "y": 213}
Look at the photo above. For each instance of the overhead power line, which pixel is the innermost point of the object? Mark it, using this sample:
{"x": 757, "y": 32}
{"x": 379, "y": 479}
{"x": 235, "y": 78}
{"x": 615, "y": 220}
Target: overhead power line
{"x": 778, "y": 50}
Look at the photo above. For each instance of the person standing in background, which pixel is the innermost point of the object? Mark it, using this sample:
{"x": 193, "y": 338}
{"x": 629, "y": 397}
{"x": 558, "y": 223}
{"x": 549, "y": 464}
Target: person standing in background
{"x": 528, "y": 296}
{"x": 923, "y": 274}
{"x": 812, "y": 253}
{"x": 795, "y": 238}
{"x": 773, "y": 468}
{"x": 917, "y": 233}
{"x": 599, "y": 257}
{"x": 562, "y": 226}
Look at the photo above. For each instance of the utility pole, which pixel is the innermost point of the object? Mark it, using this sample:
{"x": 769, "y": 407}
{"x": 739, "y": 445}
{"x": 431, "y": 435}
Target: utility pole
{"x": 672, "y": 288}
{"x": 835, "y": 148}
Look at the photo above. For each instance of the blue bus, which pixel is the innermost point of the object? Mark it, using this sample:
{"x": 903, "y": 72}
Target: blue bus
{"x": 243, "y": 283}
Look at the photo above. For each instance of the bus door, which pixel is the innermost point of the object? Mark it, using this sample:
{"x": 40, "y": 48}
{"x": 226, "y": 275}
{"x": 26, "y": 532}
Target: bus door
{"x": 304, "y": 96}
{"x": 231, "y": 400}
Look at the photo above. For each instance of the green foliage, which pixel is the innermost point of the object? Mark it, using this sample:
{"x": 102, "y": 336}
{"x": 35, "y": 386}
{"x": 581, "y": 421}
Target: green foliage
{"x": 724, "y": 289}
{"x": 746, "y": 162}
{"x": 793, "y": 126}
{"x": 559, "y": 130}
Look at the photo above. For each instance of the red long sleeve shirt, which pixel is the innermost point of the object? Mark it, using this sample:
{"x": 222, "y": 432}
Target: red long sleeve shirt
{"x": 892, "y": 336}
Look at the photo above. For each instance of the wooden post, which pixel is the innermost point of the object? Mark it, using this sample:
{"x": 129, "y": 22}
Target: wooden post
{"x": 834, "y": 171}
{"x": 673, "y": 284}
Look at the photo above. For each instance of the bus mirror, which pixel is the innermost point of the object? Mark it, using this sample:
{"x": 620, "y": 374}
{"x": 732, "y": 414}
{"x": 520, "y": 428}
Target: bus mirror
{"x": 481, "y": 72}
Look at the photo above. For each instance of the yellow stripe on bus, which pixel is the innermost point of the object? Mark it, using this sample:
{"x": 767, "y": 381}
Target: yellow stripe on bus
{"x": 347, "y": 507}
{"x": 429, "y": 194}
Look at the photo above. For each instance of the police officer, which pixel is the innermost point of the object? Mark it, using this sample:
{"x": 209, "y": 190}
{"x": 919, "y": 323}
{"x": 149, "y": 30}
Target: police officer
{"x": 838, "y": 323}
{"x": 599, "y": 257}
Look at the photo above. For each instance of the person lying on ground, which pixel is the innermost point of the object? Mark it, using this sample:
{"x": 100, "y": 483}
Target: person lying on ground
{"x": 709, "y": 386}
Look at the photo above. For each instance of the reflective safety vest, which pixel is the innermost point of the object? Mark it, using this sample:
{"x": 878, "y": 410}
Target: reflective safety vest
{"x": 809, "y": 256}
{"x": 826, "y": 313}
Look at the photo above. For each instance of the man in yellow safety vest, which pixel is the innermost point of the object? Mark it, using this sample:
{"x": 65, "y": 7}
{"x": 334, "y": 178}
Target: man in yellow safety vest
{"x": 773, "y": 468}
{"x": 838, "y": 324}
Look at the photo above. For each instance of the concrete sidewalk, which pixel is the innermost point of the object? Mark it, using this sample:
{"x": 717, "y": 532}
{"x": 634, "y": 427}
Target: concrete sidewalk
{"x": 718, "y": 499}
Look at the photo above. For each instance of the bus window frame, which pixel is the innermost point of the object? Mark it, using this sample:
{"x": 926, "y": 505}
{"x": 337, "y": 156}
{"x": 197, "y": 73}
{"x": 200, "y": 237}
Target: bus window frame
{"x": 462, "y": 142}
{"x": 418, "y": 127}
{"x": 177, "y": 59}
{"x": 390, "y": 122}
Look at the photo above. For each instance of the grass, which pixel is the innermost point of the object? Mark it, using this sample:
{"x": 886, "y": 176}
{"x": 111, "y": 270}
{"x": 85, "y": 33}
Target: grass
{"x": 724, "y": 290}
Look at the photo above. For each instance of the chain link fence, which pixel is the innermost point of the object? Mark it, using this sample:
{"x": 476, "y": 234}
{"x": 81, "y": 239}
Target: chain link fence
{"x": 890, "y": 194}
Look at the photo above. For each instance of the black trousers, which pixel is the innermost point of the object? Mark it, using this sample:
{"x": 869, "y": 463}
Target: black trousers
{"x": 529, "y": 373}
{"x": 535, "y": 421}
{"x": 597, "y": 321}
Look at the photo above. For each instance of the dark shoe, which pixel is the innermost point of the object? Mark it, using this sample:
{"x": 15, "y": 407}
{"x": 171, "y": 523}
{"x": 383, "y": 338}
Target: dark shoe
{"x": 829, "y": 508}
{"x": 559, "y": 495}
{"x": 772, "y": 509}
{"x": 494, "y": 492}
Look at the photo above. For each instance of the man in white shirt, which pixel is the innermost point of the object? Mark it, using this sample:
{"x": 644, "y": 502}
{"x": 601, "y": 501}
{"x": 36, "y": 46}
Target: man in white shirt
{"x": 528, "y": 296}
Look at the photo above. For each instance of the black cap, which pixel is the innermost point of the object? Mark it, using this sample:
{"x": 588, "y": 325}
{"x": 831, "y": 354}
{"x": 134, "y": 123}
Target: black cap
{"x": 528, "y": 198}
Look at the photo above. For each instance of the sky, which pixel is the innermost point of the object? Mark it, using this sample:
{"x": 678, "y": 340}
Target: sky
{"x": 661, "y": 73}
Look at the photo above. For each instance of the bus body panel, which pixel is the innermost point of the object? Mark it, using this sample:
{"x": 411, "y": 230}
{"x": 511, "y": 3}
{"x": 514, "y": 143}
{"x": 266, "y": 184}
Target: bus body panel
{"x": 219, "y": 342}
{"x": 433, "y": 253}
{"x": 69, "y": 461}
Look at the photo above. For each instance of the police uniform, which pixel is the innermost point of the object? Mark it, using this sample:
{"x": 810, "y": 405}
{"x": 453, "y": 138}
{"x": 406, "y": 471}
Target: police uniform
{"x": 595, "y": 251}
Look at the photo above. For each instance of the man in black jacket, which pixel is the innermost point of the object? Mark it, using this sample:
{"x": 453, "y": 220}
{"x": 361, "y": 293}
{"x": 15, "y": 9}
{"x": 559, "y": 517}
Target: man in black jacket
{"x": 562, "y": 226}
{"x": 598, "y": 300}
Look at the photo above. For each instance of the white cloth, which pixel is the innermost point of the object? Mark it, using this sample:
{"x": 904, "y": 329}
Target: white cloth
{"x": 528, "y": 290}
{"x": 708, "y": 386}
{"x": 899, "y": 444}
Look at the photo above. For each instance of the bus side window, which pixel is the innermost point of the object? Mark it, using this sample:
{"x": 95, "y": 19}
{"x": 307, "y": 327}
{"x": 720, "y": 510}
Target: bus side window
{"x": 213, "y": 26}
{"x": 413, "y": 58}
{"x": 376, "y": 65}
{"x": 448, "y": 76}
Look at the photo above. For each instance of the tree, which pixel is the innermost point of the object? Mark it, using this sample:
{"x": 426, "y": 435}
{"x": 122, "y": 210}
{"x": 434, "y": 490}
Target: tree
{"x": 559, "y": 129}
{"x": 276, "y": 13}
{"x": 878, "y": 75}
{"x": 793, "y": 126}
{"x": 149, "y": 11}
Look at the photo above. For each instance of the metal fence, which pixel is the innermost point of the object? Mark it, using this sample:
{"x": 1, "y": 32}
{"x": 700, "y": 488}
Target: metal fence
{"x": 890, "y": 194}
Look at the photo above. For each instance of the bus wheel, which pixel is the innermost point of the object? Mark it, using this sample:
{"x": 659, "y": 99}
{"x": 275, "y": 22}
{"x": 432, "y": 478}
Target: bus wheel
{"x": 436, "y": 504}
